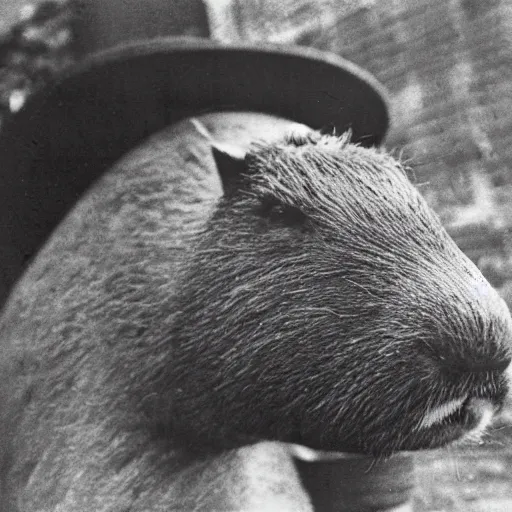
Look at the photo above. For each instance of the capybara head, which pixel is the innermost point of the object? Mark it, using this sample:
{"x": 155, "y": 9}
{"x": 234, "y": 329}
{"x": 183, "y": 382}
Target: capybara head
{"x": 326, "y": 305}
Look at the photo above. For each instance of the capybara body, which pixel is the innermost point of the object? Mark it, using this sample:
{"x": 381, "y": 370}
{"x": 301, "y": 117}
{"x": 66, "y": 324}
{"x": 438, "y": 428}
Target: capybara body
{"x": 168, "y": 342}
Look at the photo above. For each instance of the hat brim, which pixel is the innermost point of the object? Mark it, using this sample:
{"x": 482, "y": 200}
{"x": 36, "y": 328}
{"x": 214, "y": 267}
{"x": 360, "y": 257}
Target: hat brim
{"x": 68, "y": 135}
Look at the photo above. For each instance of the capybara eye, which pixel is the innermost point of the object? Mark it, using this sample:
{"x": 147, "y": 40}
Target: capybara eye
{"x": 282, "y": 214}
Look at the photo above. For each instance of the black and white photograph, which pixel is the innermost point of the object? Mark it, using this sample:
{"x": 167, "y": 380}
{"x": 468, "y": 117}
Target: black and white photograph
{"x": 255, "y": 255}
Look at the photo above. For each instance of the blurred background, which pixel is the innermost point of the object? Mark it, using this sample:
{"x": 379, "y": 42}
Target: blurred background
{"x": 448, "y": 67}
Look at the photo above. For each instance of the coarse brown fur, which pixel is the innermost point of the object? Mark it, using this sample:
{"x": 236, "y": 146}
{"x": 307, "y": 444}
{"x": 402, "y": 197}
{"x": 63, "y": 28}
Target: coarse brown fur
{"x": 162, "y": 334}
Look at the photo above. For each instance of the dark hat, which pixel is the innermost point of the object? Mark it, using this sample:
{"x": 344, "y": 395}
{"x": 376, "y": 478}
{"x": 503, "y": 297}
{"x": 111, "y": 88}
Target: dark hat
{"x": 68, "y": 135}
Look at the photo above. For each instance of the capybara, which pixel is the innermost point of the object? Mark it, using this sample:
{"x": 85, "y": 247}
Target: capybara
{"x": 170, "y": 340}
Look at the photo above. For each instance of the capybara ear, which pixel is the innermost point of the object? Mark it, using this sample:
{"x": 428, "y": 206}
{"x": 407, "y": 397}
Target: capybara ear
{"x": 230, "y": 161}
